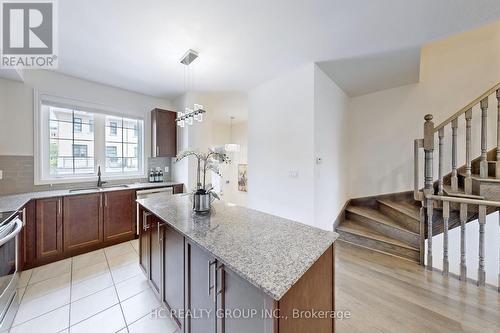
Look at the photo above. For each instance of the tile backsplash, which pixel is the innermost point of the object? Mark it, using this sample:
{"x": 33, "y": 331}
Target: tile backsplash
{"x": 18, "y": 175}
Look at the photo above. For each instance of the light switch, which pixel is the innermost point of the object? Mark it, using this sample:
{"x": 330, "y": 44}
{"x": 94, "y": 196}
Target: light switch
{"x": 293, "y": 173}
{"x": 167, "y": 168}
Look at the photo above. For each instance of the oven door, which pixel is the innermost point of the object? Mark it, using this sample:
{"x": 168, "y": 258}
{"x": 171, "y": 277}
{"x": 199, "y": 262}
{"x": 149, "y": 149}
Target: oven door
{"x": 8, "y": 268}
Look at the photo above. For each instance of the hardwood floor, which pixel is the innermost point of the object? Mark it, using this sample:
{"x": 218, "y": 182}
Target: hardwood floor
{"x": 387, "y": 294}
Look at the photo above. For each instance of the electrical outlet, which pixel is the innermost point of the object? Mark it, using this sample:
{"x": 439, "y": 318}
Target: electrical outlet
{"x": 167, "y": 169}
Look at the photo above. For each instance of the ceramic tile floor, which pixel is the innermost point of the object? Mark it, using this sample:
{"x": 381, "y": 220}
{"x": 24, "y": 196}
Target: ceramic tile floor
{"x": 101, "y": 291}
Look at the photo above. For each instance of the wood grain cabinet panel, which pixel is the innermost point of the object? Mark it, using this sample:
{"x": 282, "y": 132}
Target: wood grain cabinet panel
{"x": 83, "y": 222}
{"x": 49, "y": 232}
{"x": 119, "y": 209}
{"x": 178, "y": 189}
{"x": 164, "y": 133}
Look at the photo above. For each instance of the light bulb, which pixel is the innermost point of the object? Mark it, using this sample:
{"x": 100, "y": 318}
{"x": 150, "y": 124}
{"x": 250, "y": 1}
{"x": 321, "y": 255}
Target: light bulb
{"x": 190, "y": 120}
{"x": 180, "y": 123}
{"x": 200, "y": 117}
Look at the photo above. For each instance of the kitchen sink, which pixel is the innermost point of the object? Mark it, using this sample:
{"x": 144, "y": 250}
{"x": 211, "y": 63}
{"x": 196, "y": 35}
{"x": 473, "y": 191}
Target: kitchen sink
{"x": 115, "y": 186}
{"x": 94, "y": 189}
{"x": 83, "y": 190}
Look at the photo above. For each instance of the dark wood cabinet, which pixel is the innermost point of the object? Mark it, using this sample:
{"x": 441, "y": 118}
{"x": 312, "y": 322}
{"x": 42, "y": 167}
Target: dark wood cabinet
{"x": 173, "y": 278}
{"x": 163, "y": 133}
{"x": 49, "y": 228}
{"x": 201, "y": 292}
{"x": 119, "y": 221}
{"x": 144, "y": 242}
{"x": 82, "y": 221}
{"x": 156, "y": 255}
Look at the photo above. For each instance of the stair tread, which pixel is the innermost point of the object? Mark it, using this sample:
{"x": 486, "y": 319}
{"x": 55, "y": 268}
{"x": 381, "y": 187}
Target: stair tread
{"x": 404, "y": 207}
{"x": 375, "y": 214}
{"x": 477, "y": 177}
{"x": 358, "y": 229}
{"x": 460, "y": 193}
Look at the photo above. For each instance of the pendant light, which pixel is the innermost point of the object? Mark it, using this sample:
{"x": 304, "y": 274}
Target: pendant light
{"x": 196, "y": 112}
{"x": 231, "y": 147}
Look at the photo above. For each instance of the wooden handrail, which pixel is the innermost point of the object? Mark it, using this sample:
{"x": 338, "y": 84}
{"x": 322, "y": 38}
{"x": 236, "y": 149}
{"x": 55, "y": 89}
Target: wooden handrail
{"x": 468, "y": 107}
{"x": 463, "y": 200}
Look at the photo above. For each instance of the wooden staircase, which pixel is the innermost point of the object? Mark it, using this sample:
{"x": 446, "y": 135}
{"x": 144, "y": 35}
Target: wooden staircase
{"x": 387, "y": 224}
{"x": 398, "y": 224}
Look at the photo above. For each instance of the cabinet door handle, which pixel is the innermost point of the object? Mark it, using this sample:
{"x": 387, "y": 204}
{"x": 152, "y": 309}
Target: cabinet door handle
{"x": 145, "y": 224}
{"x": 157, "y": 150}
{"x": 210, "y": 285}
{"x": 105, "y": 200}
{"x": 59, "y": 206}
{"x": 222, "y": 285}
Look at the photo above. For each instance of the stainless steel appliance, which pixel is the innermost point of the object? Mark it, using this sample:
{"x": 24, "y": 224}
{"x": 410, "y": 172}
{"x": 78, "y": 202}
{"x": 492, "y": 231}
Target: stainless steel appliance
{"x": 11, "y": 223}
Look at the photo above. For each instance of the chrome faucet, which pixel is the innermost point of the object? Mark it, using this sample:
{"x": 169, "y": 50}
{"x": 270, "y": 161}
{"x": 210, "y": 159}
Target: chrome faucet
{"x": 99, "y": 181}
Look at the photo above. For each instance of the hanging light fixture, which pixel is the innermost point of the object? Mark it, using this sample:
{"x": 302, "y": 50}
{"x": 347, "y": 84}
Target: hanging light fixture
{"x": 196, "y": 112}
{"x": 231, "y": 147}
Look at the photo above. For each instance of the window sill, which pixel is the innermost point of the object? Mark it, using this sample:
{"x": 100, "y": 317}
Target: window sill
{"x": 73, "y": 180}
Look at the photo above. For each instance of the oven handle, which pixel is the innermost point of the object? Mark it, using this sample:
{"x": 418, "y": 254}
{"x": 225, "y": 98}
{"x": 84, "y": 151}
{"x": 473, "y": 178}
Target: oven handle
{"x": 19, "y": 226}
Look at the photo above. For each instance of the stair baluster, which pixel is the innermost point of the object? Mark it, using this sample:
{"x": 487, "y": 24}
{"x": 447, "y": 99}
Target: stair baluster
{"x": 483, "y": 164}
{"x": 430, "y": 210}
{"x": 481, "y": 274}
{"x": 446, "y": 217}
{"x": 441, "y": 157}
{"x": 463, "y": 221}
{"x": 454, "y": 175}
{"x": 468, "y": 168}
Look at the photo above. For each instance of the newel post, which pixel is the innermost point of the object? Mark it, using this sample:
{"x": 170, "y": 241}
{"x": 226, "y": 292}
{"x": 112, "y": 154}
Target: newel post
{"x": 429, "y": 151}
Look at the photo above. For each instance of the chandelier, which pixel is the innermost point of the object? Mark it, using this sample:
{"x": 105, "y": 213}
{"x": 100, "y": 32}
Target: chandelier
{"x": 196, "y": 112}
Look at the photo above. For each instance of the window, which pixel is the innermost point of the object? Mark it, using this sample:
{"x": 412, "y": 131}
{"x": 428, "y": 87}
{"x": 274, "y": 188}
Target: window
{"x": 71, "y": 149}
{"x": 75, "y": 137}
{"x": 77, "y": 125}
{"x": 79, "y": 150}
{"x": 113, "y": 128}
{"x": 121, "y": 145}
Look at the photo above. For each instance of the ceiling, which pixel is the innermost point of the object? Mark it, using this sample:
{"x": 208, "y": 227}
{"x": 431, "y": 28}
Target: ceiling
{"x": 369, "y": 73}
{"x": 136, "y": 45}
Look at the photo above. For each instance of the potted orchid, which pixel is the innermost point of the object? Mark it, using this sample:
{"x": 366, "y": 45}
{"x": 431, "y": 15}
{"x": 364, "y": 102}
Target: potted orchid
{"x": 202, "y": 196}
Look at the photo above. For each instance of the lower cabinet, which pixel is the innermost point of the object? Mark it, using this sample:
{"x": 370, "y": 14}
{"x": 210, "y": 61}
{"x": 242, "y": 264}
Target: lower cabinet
{"x": 238, "y": 295}
{"x": 82, "y": 222}
{"x": 173, "y": 274}
{"x": 144, "y": 241}
{"x": 156, "y": 249}
{"x": 201, "y": 290}
{"x": 119, "y": 215}
{"x": 48, "y": 230}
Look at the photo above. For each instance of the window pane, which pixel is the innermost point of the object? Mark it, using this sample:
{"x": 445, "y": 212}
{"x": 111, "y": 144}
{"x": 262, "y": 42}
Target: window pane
{"x": 71, "y": 142}
{"x": 122, "y": 144}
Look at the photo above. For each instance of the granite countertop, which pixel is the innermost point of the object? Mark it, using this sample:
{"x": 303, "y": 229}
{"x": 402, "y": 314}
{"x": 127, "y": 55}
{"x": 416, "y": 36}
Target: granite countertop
{"x": 270, "y": 252}
{"x": 17, "y": 201}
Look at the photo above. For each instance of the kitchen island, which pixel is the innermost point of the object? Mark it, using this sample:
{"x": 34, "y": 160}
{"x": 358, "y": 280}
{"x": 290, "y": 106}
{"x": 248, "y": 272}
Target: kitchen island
{"x": 236, "y": 269}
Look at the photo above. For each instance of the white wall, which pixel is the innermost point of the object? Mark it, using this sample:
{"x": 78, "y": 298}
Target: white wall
{"x": 280, "y": 142}
{"x": 16, "y": 105}
{"x": 383, "y": 125}
{"x": 330, "y": 143}
{"x": 292, "y": 120}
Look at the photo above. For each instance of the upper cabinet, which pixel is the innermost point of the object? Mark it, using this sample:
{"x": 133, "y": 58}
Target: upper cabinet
{"x": 163, "y": 133}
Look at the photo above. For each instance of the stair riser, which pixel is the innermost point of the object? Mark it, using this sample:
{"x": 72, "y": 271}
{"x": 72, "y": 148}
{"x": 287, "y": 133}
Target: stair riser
{"x": 402, "y": 219}
{"x": 491, "y": 168}
{"x": 489, "y": 190}
{"x": 402, "y": 235}
{"x": 379, "y": 246}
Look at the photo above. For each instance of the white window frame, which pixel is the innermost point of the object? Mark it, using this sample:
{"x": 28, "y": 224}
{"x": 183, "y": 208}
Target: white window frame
{"x": 41, "y": 141}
